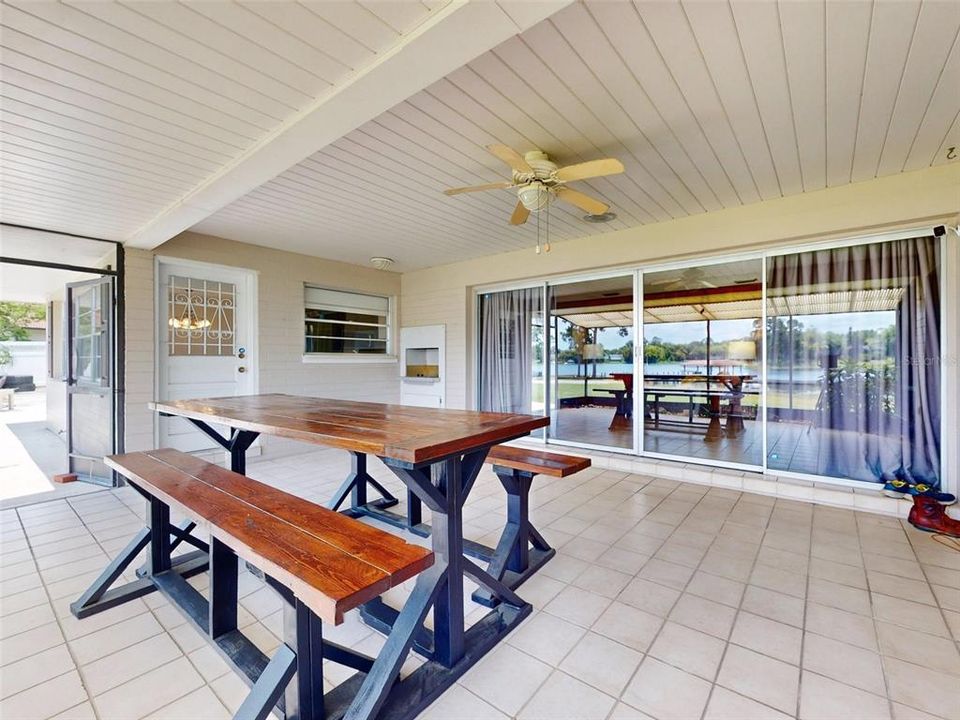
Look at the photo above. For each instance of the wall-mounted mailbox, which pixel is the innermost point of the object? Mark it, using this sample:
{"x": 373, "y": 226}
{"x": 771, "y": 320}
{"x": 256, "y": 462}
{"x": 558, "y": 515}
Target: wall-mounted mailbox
{"x": 422, "y": 381}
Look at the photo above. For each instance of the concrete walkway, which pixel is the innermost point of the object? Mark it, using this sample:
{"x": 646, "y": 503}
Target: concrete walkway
{"x": 30, "y": 454}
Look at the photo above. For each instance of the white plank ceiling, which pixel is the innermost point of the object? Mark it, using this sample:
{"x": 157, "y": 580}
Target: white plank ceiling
{"x": 112, "y": 112}
{"x": 708, "y": 104}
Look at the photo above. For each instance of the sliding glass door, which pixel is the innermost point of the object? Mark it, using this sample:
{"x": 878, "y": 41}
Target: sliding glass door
{"x": 591, "y": 337}
{"x": 702, "y": 340}
{"x": 820, "y": 363}
{"x": 853, "y": 361}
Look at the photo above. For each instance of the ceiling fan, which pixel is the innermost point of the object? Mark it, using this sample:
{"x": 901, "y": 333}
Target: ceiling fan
{"x": 539, "y": 180}
{"x": 689, "y": 279}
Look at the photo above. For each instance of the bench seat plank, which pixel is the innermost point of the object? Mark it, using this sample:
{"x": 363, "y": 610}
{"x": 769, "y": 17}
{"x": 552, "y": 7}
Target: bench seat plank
{"x": 396, "y": 557}
{"x": 328, "y": 578}
{"x": 538, "y": 462}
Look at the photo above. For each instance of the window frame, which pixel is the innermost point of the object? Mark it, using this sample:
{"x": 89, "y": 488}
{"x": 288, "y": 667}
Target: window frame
{"x": 388, "y": 356}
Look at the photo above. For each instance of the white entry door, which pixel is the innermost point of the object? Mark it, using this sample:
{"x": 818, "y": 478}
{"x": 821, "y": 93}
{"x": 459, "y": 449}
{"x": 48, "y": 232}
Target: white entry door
{"x": 206, "y": 339}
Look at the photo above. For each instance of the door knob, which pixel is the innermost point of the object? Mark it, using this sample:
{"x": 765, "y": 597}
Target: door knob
{"x": 241, "y": 369}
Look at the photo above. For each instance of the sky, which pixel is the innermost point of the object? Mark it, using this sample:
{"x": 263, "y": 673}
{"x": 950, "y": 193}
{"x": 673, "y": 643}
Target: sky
{"x": 720, "y": 330}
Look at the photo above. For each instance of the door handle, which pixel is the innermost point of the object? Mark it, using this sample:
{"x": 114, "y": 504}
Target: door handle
{"x": 241, "y": 369}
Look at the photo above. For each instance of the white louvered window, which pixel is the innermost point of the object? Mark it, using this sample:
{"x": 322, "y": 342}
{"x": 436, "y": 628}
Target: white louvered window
{"x": 345, "y": 323}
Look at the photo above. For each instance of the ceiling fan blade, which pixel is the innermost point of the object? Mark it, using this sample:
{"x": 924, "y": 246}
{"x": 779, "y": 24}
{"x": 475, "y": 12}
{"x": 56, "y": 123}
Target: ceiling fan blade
{"x": 591, "y": 169}
{"x": 511, "y": 157}
{"x": 503, "y": 184}
{"x": 584, "y": 202}
{"x": 520, "y": 214}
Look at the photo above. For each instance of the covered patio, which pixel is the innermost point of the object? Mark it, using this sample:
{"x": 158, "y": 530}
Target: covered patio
{"x": 479, "y": 360}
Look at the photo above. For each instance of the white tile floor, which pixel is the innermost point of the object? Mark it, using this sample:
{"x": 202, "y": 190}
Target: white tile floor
{"x": 666, "y": 600}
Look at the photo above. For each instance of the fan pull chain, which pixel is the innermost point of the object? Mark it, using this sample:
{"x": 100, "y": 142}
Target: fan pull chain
{"x": 538, "y": 233}
{"x": 546, "y": 244}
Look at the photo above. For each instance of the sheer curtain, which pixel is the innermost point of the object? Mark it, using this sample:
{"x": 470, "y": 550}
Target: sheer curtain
{"x": 853, "y": 345}
{"x": 506, "y": 349}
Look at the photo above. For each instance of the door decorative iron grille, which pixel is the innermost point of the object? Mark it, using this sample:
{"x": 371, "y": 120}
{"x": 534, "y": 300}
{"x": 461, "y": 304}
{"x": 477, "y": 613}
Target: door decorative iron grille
{"x": 200, "y": 317}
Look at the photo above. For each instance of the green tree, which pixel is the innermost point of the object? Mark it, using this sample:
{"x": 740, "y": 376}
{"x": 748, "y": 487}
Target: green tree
{"x": 654, "y": 352}
{"x": 14, "y": 316}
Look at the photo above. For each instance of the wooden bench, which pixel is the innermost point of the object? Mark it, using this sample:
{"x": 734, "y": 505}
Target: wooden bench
{"x": 522, "y": 550}
{"x": 322, "y": 563}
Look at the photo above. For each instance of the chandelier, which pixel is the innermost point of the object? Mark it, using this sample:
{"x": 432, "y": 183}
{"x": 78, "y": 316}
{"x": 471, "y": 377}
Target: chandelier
{"x": 188, "y": 323}
{"x": 188, "y": 320}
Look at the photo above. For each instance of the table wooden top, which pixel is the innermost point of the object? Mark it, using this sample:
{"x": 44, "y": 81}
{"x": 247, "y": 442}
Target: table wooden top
{"x": 407, "y": 434}
{"x": 331, "y": 562}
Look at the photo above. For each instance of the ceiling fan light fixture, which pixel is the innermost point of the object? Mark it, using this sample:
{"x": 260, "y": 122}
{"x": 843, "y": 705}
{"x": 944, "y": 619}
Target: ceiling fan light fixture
{"x": 601, "y": 218}
{"x": 535, "y": 197}
{"x": 381, "y": 263}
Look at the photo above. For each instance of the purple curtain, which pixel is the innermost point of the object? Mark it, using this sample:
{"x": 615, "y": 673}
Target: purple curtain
{"x": 858, "y": 328}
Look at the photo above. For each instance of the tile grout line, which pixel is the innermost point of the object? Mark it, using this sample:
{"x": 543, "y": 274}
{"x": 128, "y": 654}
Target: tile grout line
{"x": 806, "y": 606}
{"x": 666, "y": 619}
{"x": 736, "y": 616}
{"x": 556, "y": 668}
{"x": 56, "y": 618}
{"x": 164, "y": 629}
{"x": 874, "y": 621}
{"x": 936, "y": 600}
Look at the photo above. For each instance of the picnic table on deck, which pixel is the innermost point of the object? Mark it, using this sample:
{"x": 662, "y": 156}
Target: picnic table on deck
{"x": 419, "y": 445}
{"x": 713, "y": 397}
{"x": 623, "y": 415}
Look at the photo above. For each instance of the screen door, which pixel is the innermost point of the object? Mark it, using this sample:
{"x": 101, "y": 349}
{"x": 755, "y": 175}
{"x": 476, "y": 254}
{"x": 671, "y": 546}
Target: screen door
{"x": 91, "y": 418}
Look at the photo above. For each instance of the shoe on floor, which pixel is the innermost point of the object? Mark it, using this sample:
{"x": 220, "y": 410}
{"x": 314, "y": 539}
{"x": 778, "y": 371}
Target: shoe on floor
{"x": 907, "y": 491}
{"x": 928, "y": 515}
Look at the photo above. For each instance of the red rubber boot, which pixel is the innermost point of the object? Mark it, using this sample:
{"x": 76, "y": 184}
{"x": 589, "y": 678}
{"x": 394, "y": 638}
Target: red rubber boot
{"x": 928, "y": 515}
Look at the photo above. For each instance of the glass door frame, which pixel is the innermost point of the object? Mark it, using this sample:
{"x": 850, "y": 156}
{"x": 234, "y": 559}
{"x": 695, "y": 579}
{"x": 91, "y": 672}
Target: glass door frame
{"x": 105, "y": 288}
{"x": 638, "y": 381}
{"x": 632, "y": 273}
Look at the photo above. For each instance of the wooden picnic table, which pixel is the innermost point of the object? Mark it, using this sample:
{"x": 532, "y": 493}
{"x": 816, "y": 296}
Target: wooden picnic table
{"x": 624, "y": 408}
{"x": 713, "y": 397}
{"x": 321, "y": 563}
{"x": 437, "y": 453}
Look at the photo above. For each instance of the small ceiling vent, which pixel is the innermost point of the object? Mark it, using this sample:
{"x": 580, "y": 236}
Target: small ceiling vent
{"x": 601, "y": 218}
